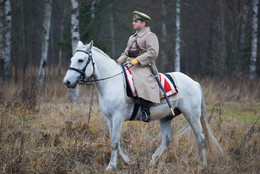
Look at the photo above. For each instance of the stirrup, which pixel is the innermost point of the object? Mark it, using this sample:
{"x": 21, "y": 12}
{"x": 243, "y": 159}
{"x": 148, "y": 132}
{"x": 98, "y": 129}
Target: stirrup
{"x": 147, "y": 117}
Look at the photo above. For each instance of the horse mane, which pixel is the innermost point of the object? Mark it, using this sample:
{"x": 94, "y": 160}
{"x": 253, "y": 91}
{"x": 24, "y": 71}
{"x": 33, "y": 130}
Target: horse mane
{"x": 95, "y": 48}
{"x": 100, "y": 51}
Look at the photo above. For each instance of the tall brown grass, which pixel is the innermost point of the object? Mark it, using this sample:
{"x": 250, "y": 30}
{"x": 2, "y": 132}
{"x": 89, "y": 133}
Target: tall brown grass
{"x": 42, "y": 131}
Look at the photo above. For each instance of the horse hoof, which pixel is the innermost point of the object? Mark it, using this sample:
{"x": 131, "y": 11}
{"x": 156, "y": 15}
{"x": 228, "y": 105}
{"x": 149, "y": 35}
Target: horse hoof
{"x": 132, "y": 161}
{"x": 126, "y": 161}
{"x": 111, "y": 167}
{"x": 152, "y": 163}
{"x": 203, "y": 165}
{"x": 129, "y": 161}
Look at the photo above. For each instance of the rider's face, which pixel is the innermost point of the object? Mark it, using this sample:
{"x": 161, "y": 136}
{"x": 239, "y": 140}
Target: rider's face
{"x": 138, "y": 25}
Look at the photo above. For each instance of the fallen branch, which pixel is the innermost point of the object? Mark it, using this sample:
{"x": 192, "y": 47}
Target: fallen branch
{"x": 249, "y": 133}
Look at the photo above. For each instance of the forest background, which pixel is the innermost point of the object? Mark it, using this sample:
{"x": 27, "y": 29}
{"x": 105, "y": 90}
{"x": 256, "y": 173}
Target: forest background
{"x": 215, "y": 36}
{"x": 43, "y": 131}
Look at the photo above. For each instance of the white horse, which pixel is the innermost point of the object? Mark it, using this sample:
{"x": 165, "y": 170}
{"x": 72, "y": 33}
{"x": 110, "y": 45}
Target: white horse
{"x": 89, "y": 61}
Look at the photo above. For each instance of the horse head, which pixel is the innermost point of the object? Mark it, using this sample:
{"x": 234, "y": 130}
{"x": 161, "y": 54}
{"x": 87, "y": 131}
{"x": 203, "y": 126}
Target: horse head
{"x": 81, "y": 66}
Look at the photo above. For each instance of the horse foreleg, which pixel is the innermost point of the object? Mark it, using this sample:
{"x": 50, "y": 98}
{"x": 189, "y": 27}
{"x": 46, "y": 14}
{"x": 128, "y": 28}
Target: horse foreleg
{"x": 125, "y": 158}
{"x": 116, "y": 128}
{"x": 165, "y": 127}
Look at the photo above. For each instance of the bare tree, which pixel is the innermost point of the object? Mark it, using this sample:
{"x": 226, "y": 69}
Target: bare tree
{"x": 1, "y": 37}
{"x": 222, "y": 41}
{"x": 254, "y": 40}
{"x": 45, "y": 41}
{"x": 177, "y": 40}
{"x": 93, "y": 9}
{"x": 61, "y": 39}
{"x": 7, "y": 40}
{"x": 164, "y": 36}
{"x": 244, "y": 19}
{"x": 111, "y": 17}
{"x": 243, "y": 39}
{"x": 75, "y": 37}
{"x": 74, "y": 24}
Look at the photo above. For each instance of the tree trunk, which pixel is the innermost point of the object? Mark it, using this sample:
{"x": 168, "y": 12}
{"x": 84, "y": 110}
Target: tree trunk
{"x": 111, "y": 17}
{"x": 243, "y": 42}
{"x": 7, "y": 45}
{"x": 177, "y": 40}
{"x": 1, "y": 40}
{"x": 75, "y": 37}
{"x": 61, "y": 40}
{"x": 74, "y": 25}
{"x": 93, "y": 9}
{"x": 164, "y": 37}
{"x": 221, "y": 43}
{"x": 254, "y": 40}
{"x": 23, "y": 51}
{"x": 244, "y": 19}
{"x": 45, "y": 41}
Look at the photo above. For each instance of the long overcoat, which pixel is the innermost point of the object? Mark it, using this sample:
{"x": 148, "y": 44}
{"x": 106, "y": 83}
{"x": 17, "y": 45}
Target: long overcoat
{"x": 144, "y": 81}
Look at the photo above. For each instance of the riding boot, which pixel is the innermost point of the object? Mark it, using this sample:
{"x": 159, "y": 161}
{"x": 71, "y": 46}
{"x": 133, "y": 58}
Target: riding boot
{"x": 145, "y": 109}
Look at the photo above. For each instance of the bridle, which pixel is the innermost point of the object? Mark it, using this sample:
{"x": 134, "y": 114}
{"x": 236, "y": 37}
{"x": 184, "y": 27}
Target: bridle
{"x": 82, "y": 72}
{"x": 82, "y": 79}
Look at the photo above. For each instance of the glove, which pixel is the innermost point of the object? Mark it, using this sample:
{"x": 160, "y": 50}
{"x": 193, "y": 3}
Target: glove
{"x": 118, "y": 62}
{"x": 134, "y": 62}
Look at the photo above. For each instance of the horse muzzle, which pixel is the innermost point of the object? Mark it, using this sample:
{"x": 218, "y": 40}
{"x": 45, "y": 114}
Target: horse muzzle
{"x": 69, "y": 84}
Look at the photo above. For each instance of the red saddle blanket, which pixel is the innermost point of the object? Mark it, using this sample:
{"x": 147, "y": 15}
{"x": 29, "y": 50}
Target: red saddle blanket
{"x": 166, "y": 81}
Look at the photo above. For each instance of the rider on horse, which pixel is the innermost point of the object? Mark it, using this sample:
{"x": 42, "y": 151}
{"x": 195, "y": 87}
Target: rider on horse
{"x": 142, "y": 49}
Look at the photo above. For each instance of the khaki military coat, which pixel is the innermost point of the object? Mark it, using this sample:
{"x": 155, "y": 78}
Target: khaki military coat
{"x": 144, "y": 81}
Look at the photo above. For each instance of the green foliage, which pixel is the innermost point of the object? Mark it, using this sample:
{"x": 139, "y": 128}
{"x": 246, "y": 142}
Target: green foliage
{"x": 239, "y": 112}
{"x": 65, "y": 46}
{"x": 65, "y": 42}
{"x": 89, "y": 26}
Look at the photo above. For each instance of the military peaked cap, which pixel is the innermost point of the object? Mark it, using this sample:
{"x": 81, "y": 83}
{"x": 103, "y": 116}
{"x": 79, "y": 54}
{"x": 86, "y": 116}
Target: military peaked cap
{"x": 140, "y": 16}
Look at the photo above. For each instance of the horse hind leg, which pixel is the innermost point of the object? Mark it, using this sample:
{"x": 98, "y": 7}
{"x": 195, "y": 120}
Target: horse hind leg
{"x": 197, "y": 129}
{"x": 165, "y": 127}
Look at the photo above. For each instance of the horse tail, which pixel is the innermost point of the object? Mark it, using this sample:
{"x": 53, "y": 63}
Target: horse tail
{"x": 212, "y": 143}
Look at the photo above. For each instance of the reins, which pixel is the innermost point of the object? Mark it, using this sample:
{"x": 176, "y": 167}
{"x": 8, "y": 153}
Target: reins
{"x": 86, "y": 82}
{"x": 82, "y": 79}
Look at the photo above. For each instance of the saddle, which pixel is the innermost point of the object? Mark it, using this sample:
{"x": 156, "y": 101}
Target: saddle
{"x": 166, "y": 81}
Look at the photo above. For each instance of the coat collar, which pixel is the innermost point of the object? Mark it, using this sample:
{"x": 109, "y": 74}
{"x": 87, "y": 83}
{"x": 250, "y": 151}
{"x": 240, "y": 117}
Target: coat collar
{"x": 142, "y": 32}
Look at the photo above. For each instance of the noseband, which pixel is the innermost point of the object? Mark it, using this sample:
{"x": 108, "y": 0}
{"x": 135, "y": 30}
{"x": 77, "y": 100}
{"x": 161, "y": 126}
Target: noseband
{"x": 82, "y": 72}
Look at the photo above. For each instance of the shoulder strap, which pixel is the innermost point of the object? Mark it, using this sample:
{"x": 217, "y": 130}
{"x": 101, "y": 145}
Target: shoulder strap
{"x": 133, "y": 42}
{"x": 137, "y": 46}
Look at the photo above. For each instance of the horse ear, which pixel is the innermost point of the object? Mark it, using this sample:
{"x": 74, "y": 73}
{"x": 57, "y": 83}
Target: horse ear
{"x": 80, "y": 44}
{"x": 89, "y": 46}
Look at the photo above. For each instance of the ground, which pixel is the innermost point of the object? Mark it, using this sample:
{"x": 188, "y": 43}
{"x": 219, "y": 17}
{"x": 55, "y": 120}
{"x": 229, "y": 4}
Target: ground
{"x": 41, "y": 131}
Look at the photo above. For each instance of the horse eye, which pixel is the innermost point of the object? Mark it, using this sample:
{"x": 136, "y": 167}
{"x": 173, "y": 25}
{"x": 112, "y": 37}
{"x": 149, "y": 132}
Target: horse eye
{"x": 80, "y": 60}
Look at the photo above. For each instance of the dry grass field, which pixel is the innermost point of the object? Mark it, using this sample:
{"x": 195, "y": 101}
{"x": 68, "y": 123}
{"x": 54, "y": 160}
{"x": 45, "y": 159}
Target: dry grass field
{"x": 41, "y": 131}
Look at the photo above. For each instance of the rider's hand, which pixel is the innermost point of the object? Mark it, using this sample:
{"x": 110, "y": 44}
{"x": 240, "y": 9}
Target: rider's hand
{"x": 134, "y": 62}
{"x": 118, "y": 62}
